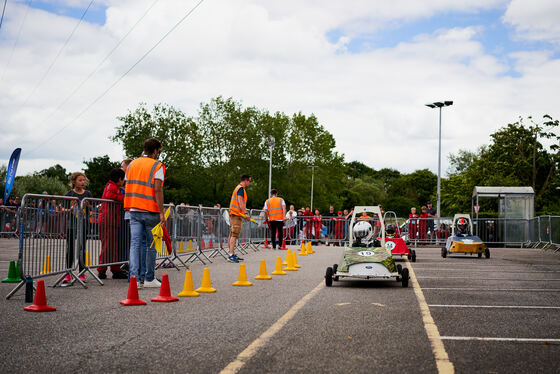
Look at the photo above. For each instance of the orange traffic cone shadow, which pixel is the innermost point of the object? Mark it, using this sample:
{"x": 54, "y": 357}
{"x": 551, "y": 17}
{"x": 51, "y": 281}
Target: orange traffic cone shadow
{"x": 164, "y": 292}
{"x": 206, "y": 286}
{"x": 242, "y": 278}
{"x": 278, "y": 270}
{"x": 40, "y": 300}
{"x": 188, "y": 289}
{"x": 262, "y": 272}
{"x": 132, "y": 296}
{"x": 294, "y": 260}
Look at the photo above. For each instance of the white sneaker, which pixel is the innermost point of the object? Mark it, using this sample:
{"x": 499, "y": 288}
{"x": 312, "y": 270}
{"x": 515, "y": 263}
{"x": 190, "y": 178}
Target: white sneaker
{"x": 139, "y": 284}
{"x": 152, "y": 284}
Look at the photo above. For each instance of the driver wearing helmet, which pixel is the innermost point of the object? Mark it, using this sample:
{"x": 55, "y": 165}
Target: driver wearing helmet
{"x": 391, "y": 230}
{"x": 462, "y": 227}
{"x": 362, "y": 232}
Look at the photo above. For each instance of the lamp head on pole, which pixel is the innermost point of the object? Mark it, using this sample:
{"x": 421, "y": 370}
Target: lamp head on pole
{"x": 271, "y": 141}
{"x": 439, "y": 104}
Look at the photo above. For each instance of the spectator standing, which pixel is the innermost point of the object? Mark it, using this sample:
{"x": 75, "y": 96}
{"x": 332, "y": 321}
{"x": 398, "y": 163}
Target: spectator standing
{"x": 291, "y": 222}
{"x": 237, "y": 211}
{"x": 144, "y": 199}
{"x": 78, "y": 181}
{"x": 123, "y": 241}
{"x": 275, "y": 211}
{"x": 308, "y": 218}
{"x": 432, "y": 212}
{"x": 300, "y": 224}
{"x": 330, "y": 223}
{"x": 423, "y": 224}
{"x": 109, "y": 223}
{"x": 339, "y": 223}
{"x": 317, "y": 225}
{"x": 412, "y": 223}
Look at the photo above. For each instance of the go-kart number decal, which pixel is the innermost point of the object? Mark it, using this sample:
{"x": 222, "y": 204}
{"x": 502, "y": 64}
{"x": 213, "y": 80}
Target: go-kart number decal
{"x": 391, "y": 245}
{"x": 366, "y": 253}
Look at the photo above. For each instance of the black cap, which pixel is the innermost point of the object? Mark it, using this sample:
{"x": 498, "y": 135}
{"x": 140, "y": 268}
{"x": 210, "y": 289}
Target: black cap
{"x": 429, "y": 202}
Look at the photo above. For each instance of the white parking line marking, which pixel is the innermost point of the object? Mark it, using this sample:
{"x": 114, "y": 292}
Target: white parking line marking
{"x": 340, "y": 304}
{"x": 491, "y": 271}
{"x": 501, "y": 279}
{"x": 378, "y": 304}
{"x": 491, "y": 289}
{"x": 261, "y": 341}
{"x": 513, "y": 340}
{"x": 444, "y": 365}
{"x": 495, "y": 306}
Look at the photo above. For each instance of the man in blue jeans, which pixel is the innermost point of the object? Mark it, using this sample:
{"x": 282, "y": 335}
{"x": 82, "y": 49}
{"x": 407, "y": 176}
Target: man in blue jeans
{"x": 144, "y": 200}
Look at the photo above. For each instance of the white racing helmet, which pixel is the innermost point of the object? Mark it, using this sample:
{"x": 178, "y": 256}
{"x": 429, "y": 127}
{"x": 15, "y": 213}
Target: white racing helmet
{"x": 363, "y": 231}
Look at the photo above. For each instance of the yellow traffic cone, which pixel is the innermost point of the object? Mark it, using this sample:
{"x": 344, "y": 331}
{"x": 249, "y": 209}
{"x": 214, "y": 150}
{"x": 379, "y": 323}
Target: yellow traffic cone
{"x": 242, "y": 279}
{"x": 262, "y": 271}
{"x": 206, "y": 286}
{"x": 181, "y": 247}
{"x": 294, "y": 258}
{"x": 288, "y": 255}
{"x": 188, "y": 290}
{"x": 278, "y": 270}
{"x": 309, "y": 248}
{"x": 190, "y": 247}
{"x": 46, "y": 265}
{"x": 290, "y": 266}
{"x": 302, "y": 250}
{"x": 88, "y": 260}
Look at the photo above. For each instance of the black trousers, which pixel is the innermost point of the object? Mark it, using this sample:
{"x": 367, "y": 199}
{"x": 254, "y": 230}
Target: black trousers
{"x": 276, "y": 227}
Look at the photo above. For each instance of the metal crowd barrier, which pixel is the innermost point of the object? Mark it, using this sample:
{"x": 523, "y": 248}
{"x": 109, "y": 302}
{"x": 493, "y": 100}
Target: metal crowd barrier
{"x": 8, "y": 221}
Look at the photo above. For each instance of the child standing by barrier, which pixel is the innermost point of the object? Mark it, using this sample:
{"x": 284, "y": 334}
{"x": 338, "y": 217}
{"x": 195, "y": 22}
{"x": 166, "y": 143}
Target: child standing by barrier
{"x": 78, "y": 181}
{"x": 412, "y": 223}
{"x": 109, "y": 223}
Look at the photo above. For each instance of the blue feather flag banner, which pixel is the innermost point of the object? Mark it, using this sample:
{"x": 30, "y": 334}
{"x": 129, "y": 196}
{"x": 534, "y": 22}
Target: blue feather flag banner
{"x": 11, "y": 173}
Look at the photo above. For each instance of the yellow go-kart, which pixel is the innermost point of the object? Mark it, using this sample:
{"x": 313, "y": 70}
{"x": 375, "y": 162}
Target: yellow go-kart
{"x": 462, "y": 240}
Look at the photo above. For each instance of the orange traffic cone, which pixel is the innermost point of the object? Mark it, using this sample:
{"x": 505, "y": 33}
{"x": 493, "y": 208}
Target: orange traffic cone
{"x": 164, "y": 292}
{"x": 211, "y": 244}
{"x": 303, "y": 251}
{"x": 278, "y": 270}
{"x": 265, "y": 243}
{"x": 262, "y": 272}
{"x": 288, "y": 255}
{"x": 206, "y": 286}
{"x": 242, "y": 278}
{"x": 188, "y": 289}
{"x": 283, "y": 244}
{"x": 132, "y": 296}
{"x": 40, "y": 300}
{"x": 309, "y": 248}
{"x": 294, "y": 260}
{"x": 202, "y": 243}
{"x": 290, "y": 260}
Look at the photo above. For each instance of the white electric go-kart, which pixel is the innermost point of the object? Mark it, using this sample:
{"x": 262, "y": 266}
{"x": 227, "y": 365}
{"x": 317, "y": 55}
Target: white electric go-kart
{"x": 366, "y": 257}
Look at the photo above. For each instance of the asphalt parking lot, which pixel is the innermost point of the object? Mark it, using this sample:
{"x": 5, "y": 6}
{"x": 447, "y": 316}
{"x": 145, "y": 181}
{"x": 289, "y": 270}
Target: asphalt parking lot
{"x": 497, "y": 315}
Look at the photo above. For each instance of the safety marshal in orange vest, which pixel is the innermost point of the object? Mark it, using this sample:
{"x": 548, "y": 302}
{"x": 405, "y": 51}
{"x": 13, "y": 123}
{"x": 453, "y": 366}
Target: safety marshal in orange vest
{"x": 275, "y": 211}
{"x": 144, "y": 200}
{"x": 237, "y": 211}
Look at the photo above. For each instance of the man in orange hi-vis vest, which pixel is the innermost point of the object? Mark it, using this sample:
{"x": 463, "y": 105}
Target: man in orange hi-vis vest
{"x": 143, "y": 198}
{"x": 237, "y": 211}
{"x": 275, "y": 210}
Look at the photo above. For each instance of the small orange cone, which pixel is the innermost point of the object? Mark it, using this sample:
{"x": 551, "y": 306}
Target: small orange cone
{"x": 290, "y": 260}
{"x": 265, "y": 243}
{"x": 294, "y": 260}
{"x": 202, "y": 243}
{"x": 88, "y": 260}
{"x": 278, "y": 270}
{"x": 188, "y": 289}
{"x": 40, "y": 300}
{"x": 211, "y": 245}
{"x": 309, "y": 248}
{"x": 288, "y": 255}
{"x": 132, "y": 296}
{"x": 283, "y": 244}
{"x": 303, "y": 252}
{"x": 262, "y": 272}
{"x": 46, "y": 265}
{"x": 206, "y": 286}
{"x": 190, "y": 247}
{"x": 242, "y": 279}
{"x": 164, "y": 292}
{"x": 181, "y": 247}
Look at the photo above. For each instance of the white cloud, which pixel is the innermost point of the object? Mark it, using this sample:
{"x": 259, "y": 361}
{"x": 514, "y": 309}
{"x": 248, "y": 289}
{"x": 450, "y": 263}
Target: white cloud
{"x": 535, "y": 19}
{"x": 272, "y": 55}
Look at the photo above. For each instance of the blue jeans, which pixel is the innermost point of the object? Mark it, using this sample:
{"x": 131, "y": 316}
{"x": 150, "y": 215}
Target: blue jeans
{"x": 142, "y": 258}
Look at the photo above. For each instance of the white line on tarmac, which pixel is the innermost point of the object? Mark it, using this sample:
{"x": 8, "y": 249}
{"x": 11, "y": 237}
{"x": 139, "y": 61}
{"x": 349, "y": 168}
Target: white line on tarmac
{"x": 444, "y": 365}
{"x": 500, "y": 279}
{"x": 494, "y": 306}
{"x": 513, "y": 340}
{"x": 491, "y": 289}
{"x": 253, "y": 348}
{"x": 491, "y": 271}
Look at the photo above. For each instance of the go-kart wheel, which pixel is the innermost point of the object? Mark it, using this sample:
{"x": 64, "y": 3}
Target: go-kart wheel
{"x": 399, "y": 268}
{"x": 479, "y": 254}
{"x": 334, "y": 268}
{"x": 443, "y": 252}
{"x": 413, "y": 255}
{"x": 487, "y": 253}
{"x": 328, "y": 277}
{"x": 408, "y": 255}
{"x": 404, "y": 276}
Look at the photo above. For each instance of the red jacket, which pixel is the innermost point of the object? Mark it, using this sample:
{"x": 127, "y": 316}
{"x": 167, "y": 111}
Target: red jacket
{"x": 111, "y": 213}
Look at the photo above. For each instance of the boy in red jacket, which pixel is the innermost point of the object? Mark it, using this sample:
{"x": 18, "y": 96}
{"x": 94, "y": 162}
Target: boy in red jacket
{"x": 109, "y": 222}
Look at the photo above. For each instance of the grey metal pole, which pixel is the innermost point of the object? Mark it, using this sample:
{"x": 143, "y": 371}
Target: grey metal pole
{"x": 312, "y": 175}
{"x": 269, "y": 174}
{"x": 439, "y": 169}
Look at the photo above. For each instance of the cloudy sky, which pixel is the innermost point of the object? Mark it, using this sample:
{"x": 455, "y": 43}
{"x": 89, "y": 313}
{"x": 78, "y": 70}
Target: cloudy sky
{"x": 366, "y": 69}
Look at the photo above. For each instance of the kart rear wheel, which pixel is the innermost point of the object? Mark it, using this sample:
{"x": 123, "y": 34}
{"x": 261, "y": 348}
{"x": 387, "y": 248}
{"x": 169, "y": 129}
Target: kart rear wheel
{"x": 334, "y": 269}
{"x": 443, "y": 252}
{"x": 399, "y": 268}
{"x": 404, "y": 276}
{"x": 487, "y": 253}
{"x": 328, "y": 277}
{"x": 413, "y": 255}
{"x": 479, "y": 254}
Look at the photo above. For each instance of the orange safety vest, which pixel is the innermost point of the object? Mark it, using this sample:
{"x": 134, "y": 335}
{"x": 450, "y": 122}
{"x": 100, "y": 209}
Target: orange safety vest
{"x": 364, "y": 218}
{"x": 234, "y": 207}
{"x": 274, "y": 209}
{"x": 140, "y": 190}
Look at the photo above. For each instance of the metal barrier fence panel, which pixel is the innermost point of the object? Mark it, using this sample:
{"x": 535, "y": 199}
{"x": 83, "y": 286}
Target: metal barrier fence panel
{"x": 188, "y": 233}
{"x": 8, "y": 221}
{"x": 553, "y": 229}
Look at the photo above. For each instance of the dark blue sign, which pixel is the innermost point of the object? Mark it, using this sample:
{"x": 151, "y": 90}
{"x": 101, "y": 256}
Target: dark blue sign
{"x": 11, "y": 173}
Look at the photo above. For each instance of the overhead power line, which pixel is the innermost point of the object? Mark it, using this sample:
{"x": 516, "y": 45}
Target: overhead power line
{"x": 58, "y": 54}
{"x": 118, "y": 79}
{"x": 3, "y": 10}
{"x": 17, "y": 38}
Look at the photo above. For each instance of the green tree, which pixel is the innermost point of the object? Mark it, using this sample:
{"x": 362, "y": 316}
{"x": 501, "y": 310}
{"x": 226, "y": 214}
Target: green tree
{"x": 97, "y": 171}
{"x": 56, "y": 171}
{"x": 35, "y": 184}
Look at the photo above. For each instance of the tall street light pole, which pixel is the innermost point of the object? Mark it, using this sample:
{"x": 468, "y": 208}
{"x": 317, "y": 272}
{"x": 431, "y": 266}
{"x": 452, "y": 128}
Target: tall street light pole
{"x": 312, "y": 175}
{"x": 271, "y": 146}
{"x": 439, "y": 104}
